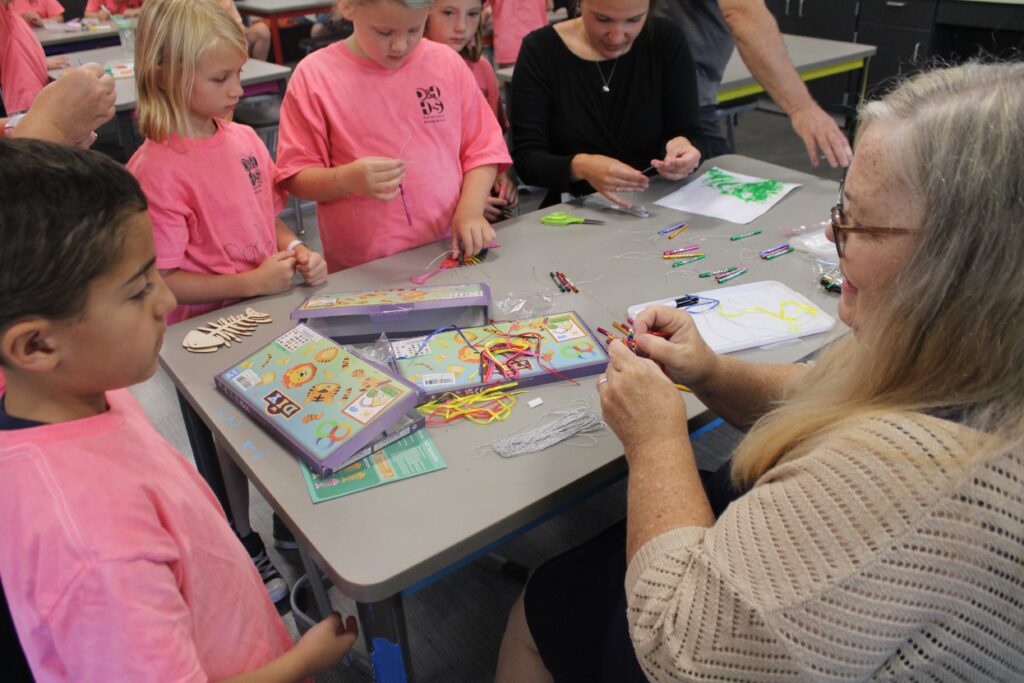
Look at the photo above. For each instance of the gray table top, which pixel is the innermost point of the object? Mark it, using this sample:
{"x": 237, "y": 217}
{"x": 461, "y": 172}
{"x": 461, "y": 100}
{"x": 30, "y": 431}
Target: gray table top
{"x": 48, "y": 37}
{"x": 376, "y": 543}
{"x": 254, "y": 72}
{"x": 806, "y": 53}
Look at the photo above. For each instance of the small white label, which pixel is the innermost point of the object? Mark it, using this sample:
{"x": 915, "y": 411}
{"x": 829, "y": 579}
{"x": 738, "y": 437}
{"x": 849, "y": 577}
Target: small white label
{"x": 535, "y": 402}
{"x": 410, "y": 348}
{"x": 438, "y": 379}
{"x": 246, "y": 380}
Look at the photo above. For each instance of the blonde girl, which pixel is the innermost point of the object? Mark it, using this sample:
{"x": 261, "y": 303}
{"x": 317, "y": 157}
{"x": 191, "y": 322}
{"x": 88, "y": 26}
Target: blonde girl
{"x": 457, "y": 23}
{"x": 390, "y": 135}
{"x": 210, "y": 186}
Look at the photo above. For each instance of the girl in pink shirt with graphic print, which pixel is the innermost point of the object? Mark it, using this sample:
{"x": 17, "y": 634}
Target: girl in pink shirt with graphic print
{"x": 391, "y": 136}
{"x": 210, "y": 186}
{"x": 117, "y": 563}
{"x": 456, "y": 23}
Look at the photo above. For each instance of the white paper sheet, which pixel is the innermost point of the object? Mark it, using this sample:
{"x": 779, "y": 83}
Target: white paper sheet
{"x": 727, "y": 195}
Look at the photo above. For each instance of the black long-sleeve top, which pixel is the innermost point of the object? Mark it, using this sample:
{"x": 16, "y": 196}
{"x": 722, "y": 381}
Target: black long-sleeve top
{"x": 559, "y": 110}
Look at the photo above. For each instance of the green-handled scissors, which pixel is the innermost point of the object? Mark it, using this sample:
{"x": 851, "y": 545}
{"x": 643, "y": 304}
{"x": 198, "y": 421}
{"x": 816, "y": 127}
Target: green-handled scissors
{"x": 563, "y": 218}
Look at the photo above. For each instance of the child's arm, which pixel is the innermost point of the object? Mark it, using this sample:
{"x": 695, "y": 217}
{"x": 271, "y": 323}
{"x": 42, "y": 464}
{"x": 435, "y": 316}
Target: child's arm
{"x": 321, "y": 647}
{"x": 272, "y": 276}
{"x": 377, "y": 177}
{"x": 469, "y": 227}
{"x": 309, "y": 263}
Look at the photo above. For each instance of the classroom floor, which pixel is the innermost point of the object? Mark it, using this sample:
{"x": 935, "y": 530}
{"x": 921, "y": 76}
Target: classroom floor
{"x": 455, "y": 625}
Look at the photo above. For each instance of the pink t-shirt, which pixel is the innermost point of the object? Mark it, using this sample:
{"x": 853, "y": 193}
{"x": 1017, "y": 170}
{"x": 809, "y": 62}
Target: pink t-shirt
{"x": 488, "y": 82}
{"x": 44, "y": 8}
{"x": 22, "y": 62}
{"x": 429, "y": 113}
{"x": 115, "y": 6}
{"x": 513, "y": 19}
{"x": 212, "y": 202}
{"x": 117, "y": 561}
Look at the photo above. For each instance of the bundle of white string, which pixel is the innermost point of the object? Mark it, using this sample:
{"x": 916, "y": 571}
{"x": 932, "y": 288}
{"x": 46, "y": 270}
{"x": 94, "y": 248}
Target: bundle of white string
{"x": 575, "y": 419}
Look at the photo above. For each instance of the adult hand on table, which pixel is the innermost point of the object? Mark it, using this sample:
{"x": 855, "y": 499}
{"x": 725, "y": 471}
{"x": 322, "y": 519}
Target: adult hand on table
{"x": 71, "y": 108}
{"x": 639, "y": 403}
{"x": 687, "y": 358}
{"x": 681, "y": 159}
{"x": 819, "y": 130}
{"x": 608, "y": 176}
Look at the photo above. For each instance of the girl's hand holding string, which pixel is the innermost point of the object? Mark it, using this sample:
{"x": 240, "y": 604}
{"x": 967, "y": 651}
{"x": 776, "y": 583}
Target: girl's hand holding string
{"x": 504, "y": 195}
{"x": 472, "y": 232}
{"x": 687, "y": 358}
{"x": 376, "y": 177}
{"x": 608, "y": 176}
{"x": 681, "y": 159}
{"x": 310, "y": 265}
{"x": 274, "y": 274}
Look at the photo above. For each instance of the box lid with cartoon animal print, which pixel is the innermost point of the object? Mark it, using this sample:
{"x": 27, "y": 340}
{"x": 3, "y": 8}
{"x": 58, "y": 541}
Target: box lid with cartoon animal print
{"x": 321, "y": 400}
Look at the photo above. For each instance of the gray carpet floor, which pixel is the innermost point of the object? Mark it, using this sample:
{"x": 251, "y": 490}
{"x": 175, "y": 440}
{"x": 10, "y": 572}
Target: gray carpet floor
{"x": 455, "y": 625}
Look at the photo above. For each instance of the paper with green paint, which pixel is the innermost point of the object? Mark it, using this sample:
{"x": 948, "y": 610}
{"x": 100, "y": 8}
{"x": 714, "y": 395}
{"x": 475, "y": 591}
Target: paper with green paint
{"x": 727, "y": 195}
{"x": 408, "y": 457}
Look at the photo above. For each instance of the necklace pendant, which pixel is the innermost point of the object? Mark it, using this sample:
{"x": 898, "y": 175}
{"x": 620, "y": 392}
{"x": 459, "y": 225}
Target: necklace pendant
{"x": 605, "y": 88}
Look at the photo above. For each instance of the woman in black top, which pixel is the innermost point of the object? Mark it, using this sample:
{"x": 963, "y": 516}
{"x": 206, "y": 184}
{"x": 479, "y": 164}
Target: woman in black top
{"x": 599, "y": 99}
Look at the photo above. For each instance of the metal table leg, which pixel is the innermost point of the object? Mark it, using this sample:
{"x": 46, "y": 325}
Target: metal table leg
{"x": 203, "y": 450}
{"x": 384, "y": 632}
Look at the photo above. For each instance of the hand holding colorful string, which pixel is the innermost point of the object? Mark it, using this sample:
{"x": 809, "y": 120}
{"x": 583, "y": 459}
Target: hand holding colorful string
{"x": 678, "y": 346}
{"x": 640, "y": 404}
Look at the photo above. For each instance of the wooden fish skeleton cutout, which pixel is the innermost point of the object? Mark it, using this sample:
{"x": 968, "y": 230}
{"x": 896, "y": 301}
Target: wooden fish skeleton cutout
{"x": 212, "y": 336}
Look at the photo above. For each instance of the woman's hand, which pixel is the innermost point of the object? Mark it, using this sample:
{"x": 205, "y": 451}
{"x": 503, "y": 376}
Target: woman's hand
{"x": 608, "y": 176}
{"x": 681, "y": 159}
{"x": 686, "y": 356}
{"x": 639, "y": 403}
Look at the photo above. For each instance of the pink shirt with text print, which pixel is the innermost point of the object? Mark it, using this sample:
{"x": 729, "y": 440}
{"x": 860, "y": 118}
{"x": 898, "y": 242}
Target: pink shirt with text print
{"x": 213, "y": 204}
{"x": 429, "y": 112}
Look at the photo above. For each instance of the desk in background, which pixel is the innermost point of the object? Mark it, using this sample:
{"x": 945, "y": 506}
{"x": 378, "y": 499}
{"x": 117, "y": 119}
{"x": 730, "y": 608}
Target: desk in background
{"x": 392, "y": 540}
{"x": 55, "y": 41}
{"x": 273, "y": 11}
{"x": 257, "y": 77}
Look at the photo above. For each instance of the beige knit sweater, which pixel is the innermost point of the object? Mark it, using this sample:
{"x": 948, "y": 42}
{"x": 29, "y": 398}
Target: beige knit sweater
{"x": 888, "y": 552}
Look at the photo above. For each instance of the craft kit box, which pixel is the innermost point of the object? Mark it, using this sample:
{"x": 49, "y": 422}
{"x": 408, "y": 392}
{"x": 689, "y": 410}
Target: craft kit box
{"x": 321, "y": 400}
{"x": 562, "y": 347}
{"x": 351, "y": 317}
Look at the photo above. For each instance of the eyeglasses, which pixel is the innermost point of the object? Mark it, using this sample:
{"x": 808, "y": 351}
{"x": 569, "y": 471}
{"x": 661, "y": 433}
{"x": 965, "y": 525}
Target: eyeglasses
{"x": 842, "y": 226}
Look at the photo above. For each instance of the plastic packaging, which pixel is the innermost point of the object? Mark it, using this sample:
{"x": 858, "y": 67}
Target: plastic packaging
{"x": 519, "y": 306}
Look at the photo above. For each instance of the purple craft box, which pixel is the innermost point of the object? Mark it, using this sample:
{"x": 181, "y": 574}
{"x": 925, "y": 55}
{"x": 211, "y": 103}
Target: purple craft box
{"x": 362, "y": 316}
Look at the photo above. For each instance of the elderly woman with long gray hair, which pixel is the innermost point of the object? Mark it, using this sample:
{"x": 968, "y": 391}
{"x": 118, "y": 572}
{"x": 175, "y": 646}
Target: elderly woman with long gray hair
{"x": 876, "y": 527}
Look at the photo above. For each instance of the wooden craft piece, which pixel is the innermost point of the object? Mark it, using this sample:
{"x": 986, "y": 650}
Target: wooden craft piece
{"x": 211, "y": 336}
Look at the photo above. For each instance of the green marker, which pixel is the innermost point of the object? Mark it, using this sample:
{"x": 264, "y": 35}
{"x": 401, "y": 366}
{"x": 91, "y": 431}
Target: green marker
{"x": 746, "y": 234}
{"x": 735, "y": 273}
{"x": 778, "y": 254}
{"x": 718, "y": 272}
{"x": 561, "y": 287}
{"x": 689, "y": 260}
